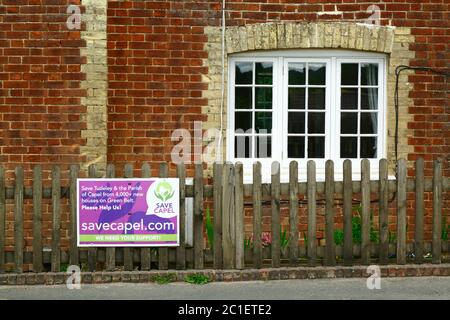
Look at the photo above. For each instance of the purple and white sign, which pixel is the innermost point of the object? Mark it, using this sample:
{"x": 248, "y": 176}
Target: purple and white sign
{"x": 128, "y": 212}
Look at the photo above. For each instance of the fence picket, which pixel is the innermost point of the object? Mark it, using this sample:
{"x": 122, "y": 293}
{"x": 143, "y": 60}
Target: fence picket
{"x": 437, "y": 212}
{"x": 239, "y": 221}
{"x": 418, "y": 234}
{"x": 365, "y": 211}
{"x": 293, "y": 213}
{"x": 2, "y": 219}
{"x": 92, "y": 252}
{"x": 163, "y": 253}
{"x": 74, "y": 253}
{"x": 37, "y": 219}
{"x": 198, "y": 217}
{"x": 56, "y": 225}
{"x": 383, "y": 212}
{"x": 348, "y": 213}
{"x": 181, "y": 250}
{"x": 276, "y": 219}
{"x": 145, "y": 252}
{"x": 227, "y": 213}
{"x": 257, "y": 215}
{"x": 401, "y": 212}
{"x": 217, "y": 249}
{"x": 312, "y": 222}
{"x": 110, "y": 254}
{"x": 330, "y": 256}
{"x": 18, "y": 220}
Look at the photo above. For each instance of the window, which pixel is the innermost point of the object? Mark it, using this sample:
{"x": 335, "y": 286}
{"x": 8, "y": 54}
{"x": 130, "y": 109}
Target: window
{"x": 307, "y": 104}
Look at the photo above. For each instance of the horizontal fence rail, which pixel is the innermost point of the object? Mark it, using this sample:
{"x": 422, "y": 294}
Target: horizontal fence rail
{"x": 237, "y": 225}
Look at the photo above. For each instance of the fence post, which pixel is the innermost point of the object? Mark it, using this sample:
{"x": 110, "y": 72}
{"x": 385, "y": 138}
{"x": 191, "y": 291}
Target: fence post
{"x": 330, "y": 256}
{"x": 37, "y": 219}
{"x": 437, "y": 212}
{"x": 74, "y": 256}
{"x": 293, "y": 213}
{"x": 418, "y": 247}
{"x": 312, "y": 218}
{"x": 276, "y": 225}
{"x": 401, "y": 212}
{"x": 257, "y": 215}
{"x": 348, "y": 213}
{"x": 146, "y": 259}
{"x": 163, "y": 263}
{"x": 365, "y": 211}
{"x": 110, "y": 251}
{"x": 2, "y": 219}
{"x": 383, "y": 212}
{"x": 92, "y": 252}
{"x": 56, "y": 208}
{"x": 239, "y": 221}
{"x": 18, "y": 220}
{"x": 227, "y": 213}
{"x": 198, "y": 217}
{"x": 181, "y": 250}
{"x": 218, "y": 254}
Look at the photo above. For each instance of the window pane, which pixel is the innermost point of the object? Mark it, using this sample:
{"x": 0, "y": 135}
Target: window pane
{"x": 244, "y": 73}
{"x": 316, "y": 122}
{"x": 243, "y": 97}
{"x": 316, "y": 98}
{"x": 296, "y": 122}
{"x": 243, "y": 121}
{"x": 368, "y": 147}
{"x": 297, "y": 74}
{"x": 296, "y": 98}
{"x": 349, "y": 98}
{"x": 264, "y": 71}
{"x": 349, "y": 122}
{"x": 369, "y": 98}
{"x": 316, "y": 147}
{"x": 349, "y": 147}
{"x": 263, "y": 98}
{"x": 263, "y": 146}
{"x": 296, "y": 147}
{"x": 263, "y": 122}
{"x": 349, "y": 74}
{"x": 242, "y": 146}
{"x": 316, "y": 74}
{"x": 369, "y": 123}
{"x": 369, "y": 74}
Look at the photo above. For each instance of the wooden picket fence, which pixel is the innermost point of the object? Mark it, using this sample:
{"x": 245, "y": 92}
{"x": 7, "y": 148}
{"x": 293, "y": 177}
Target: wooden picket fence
{"x": 228, "y": 196}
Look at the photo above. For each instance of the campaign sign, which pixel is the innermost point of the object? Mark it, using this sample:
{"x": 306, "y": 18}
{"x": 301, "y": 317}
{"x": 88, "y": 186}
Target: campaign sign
{"x": 128, "y": 212}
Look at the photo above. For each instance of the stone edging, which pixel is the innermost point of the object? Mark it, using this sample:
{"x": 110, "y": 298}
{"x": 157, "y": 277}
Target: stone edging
{"x": 229, "y": 275}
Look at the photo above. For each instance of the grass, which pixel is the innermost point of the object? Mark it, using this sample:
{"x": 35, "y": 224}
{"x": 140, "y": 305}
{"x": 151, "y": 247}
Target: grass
{"x": 197, "y": 279}
{"x": 164, "y": 279}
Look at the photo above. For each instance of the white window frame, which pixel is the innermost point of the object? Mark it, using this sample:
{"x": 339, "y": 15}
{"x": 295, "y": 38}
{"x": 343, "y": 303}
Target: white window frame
{"x": 333, "y": 59}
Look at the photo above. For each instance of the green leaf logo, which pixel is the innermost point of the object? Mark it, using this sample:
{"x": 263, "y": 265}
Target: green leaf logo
{"x": 164, "y": 191}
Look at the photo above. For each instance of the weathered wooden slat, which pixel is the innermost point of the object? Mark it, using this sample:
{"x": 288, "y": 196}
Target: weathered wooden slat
{"x": 330, "y": 256}
{"x": 227, "y": 212}
{"x": 110, "y": 255}
{"x": 257, "y": 215}
{"x": 198, "y": 217}
{"x": 56, "y": 225}
{"x": 163, "y": 253}
{"x": 348, "y": 213}
{"x": 92, "y": 252}
{"x": 420, "y": 209}
{"x": 217, "y": 198}
{"x": 2, "y": 219}
{"x": 145, "y": 252}
{"x": 37, "y": 219}
{"x": 383, "y": 212}
{"x": 181, "y": 250}
{"x": 437, "y": 212}
{"x": 293, "y": 213}
{"x": 276, "y": 214}
{"x": 401, "y": 211}
{"x": 365, "y": 211}
{"x": 18, "y": 220}
{"x": 239, "y": 221}
{"x": 312, "y": 211}
{"x": 74, "y": 253}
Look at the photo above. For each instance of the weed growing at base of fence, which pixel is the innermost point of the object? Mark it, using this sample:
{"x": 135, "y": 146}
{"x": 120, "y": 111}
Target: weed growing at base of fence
{"x": 445, "y": 230}
{"x": 63, "y": 267}
{"x": 197, "y": 278}
{"x": 164, "y": 279}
